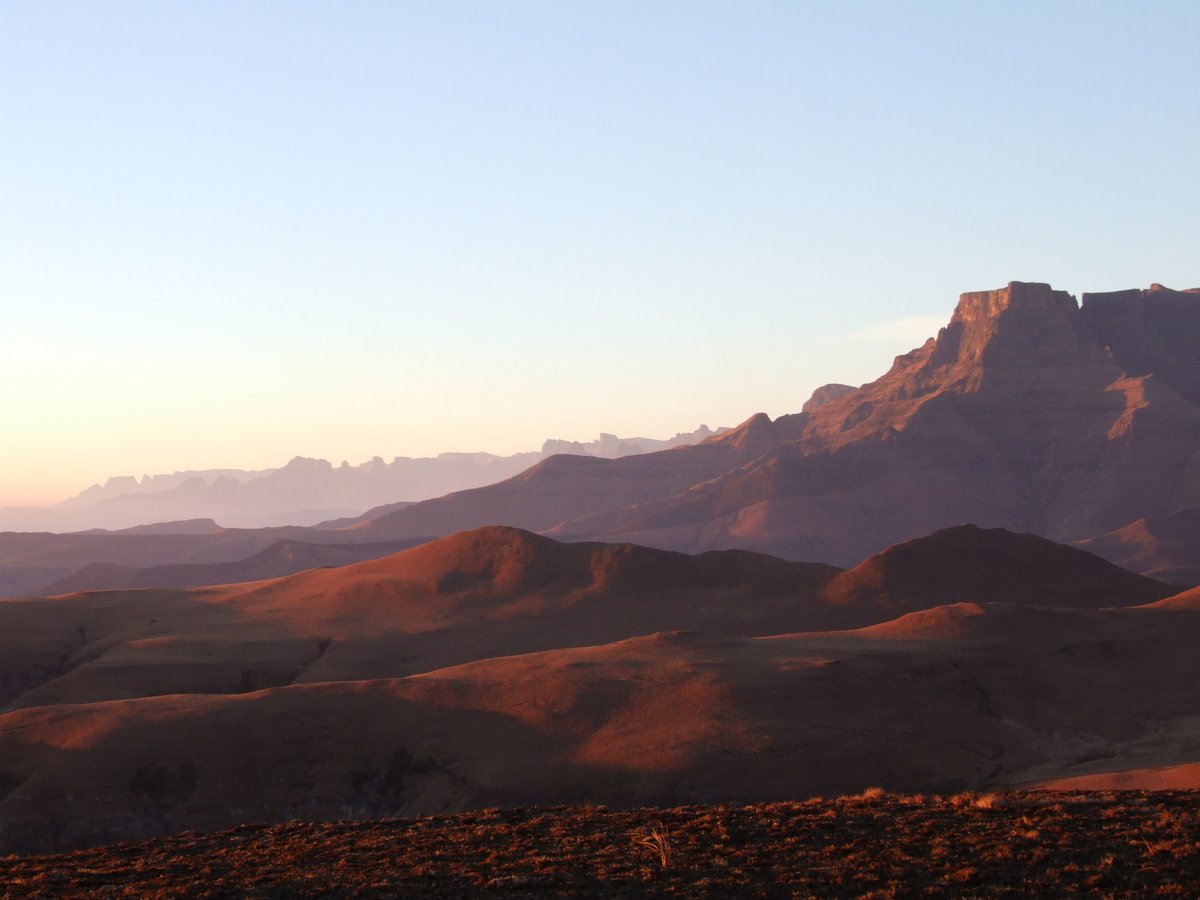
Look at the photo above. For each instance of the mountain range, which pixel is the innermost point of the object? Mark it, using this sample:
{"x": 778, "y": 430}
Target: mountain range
{"x": 899, "y": 586}
{"x": 1028, "y": 411}
{"x": 303, "y": 492}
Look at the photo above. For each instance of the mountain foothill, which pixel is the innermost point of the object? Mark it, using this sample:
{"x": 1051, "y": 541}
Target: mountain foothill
{"x": 977, "y": 572}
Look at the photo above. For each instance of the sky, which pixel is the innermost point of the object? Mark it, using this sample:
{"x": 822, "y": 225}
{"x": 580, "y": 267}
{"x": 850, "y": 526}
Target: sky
{"x": 236, "y": 232}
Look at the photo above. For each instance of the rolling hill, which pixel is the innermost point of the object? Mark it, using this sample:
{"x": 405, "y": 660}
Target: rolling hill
{"x": 641, "y": 631}
{"x": 501, "y": 667}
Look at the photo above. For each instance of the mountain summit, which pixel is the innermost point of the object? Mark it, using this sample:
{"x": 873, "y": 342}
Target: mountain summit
{"x": 1027, "y": 412}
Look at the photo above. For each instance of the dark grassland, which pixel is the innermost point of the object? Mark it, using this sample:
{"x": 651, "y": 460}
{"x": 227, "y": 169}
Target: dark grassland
{"x": 876, "y": 844}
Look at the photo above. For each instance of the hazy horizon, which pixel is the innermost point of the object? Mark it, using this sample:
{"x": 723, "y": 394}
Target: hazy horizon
{"x": 246, "y": 232}
{"x": 164, "y": 475}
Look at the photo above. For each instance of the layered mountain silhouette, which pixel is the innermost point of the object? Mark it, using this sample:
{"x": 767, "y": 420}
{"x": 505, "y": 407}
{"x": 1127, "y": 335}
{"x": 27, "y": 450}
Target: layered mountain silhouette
{"x": 281, "y": 558}
{"x": 501, "y": 667}
{"x": 305, "y": 491}
{"x": 499, "y": 590}
{"x": 171, "y": 555}
{"x": 669, "y": 627}
{"x": 1028, "y": 411}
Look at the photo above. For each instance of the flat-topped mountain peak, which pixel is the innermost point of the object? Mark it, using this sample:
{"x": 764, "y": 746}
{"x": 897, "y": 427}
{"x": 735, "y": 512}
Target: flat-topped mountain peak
{"x": 1021, "y": 324}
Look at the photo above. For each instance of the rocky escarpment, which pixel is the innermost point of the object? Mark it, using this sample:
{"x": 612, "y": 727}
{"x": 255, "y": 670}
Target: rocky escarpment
{"x": 1025, "y": 412}
{"x": 1007, "y": 345}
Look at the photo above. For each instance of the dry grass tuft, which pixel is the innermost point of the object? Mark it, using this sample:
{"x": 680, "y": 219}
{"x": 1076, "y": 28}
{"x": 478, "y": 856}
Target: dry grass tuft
{"x": 657, "y": 840}
{"x": 988, "y": 801}
{"x": 974, "y": 800}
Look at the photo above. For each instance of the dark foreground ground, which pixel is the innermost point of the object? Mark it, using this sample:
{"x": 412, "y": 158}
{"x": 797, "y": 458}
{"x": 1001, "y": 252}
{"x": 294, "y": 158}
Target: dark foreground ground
{"x": 878, "y": 845}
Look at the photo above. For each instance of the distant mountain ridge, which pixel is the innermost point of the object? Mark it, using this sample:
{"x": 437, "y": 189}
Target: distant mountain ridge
{"x": 1028, "y": 411}
{"x": 305, "y": 491}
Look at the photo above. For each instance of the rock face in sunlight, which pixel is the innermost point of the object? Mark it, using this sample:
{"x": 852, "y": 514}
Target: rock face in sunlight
{"x": 1026, "y": 412}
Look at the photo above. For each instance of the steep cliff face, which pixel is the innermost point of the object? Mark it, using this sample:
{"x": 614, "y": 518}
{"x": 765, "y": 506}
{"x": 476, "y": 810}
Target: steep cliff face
{"x": 1016, "y": 415}
{"x": 1022, "y": 326}
{"x": 1025, "y": 412}
{"x": 1020, "y": 340}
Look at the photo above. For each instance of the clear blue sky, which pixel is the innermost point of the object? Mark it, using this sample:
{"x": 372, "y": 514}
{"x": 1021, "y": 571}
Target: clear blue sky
{"x": 231, "y": 233}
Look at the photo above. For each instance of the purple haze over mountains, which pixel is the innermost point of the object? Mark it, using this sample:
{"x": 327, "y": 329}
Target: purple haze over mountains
{"x": 305, "y": 491}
